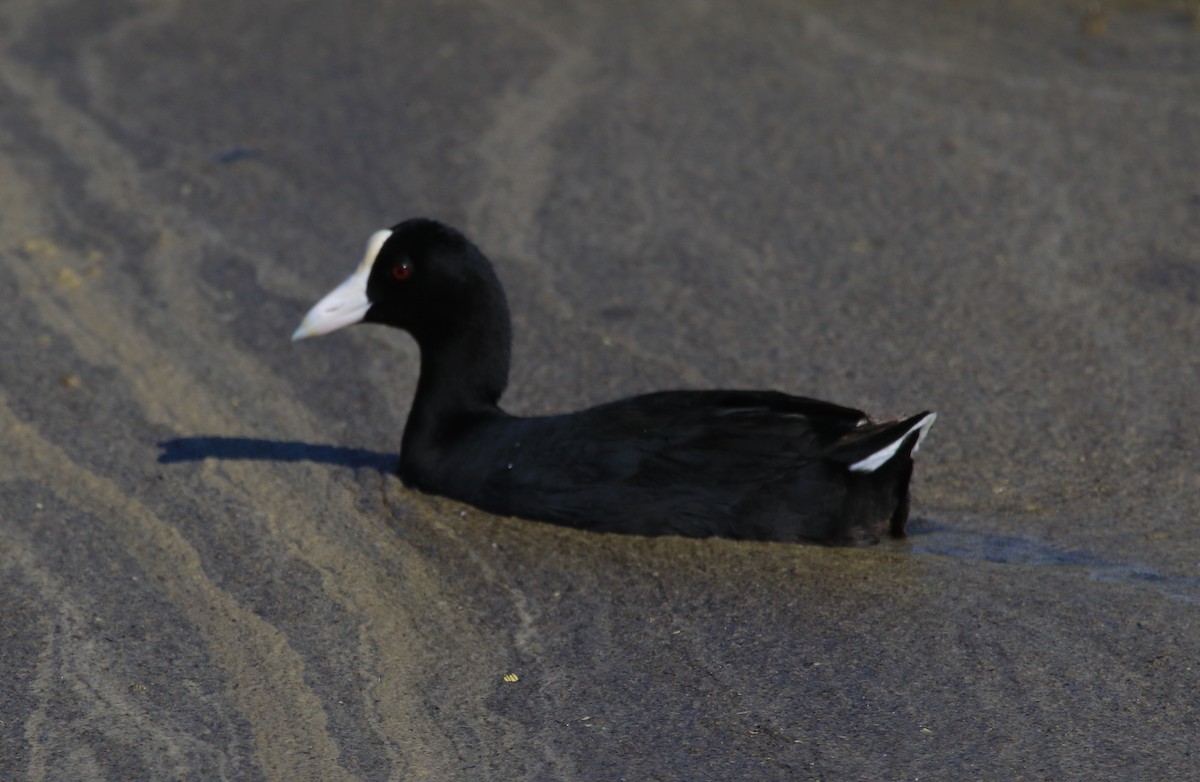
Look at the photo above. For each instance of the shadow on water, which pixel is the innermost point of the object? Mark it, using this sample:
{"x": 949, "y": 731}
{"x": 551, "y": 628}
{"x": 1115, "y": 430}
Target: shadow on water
{"x": 196, "y": 449}
{"x": 943, "y": 540}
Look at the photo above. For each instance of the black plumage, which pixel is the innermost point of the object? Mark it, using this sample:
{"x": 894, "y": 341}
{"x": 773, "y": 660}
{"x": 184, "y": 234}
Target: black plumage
{"x": 739, "y": 464}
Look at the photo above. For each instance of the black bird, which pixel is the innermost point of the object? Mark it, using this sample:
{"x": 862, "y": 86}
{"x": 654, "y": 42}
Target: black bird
{"x": 740, "y": 464}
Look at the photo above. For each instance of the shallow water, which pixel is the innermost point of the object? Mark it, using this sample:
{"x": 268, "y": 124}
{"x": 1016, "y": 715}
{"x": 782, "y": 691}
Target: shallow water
{"x": 207, "y": 570}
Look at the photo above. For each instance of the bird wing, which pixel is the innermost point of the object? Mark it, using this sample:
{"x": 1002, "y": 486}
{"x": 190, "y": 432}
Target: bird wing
{"x": 684, "y": 458}
{"x": 698, "y": 437}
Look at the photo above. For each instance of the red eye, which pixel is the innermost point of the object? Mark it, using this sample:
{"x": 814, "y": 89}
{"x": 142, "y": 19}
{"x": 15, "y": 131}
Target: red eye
{"x": 401, "y": 271}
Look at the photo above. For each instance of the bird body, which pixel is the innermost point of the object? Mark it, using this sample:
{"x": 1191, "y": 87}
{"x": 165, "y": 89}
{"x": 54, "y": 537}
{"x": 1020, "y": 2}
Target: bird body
{"x": 740, "y": 464}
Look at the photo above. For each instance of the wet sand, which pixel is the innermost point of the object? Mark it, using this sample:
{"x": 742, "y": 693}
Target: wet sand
{"x": 207, "y": 570}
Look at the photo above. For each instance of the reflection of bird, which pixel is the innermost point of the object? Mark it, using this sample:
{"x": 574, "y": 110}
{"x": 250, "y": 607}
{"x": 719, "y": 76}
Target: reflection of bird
{"x": 741, "y": 464}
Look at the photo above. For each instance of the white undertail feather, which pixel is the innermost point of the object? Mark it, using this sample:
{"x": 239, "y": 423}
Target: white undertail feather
{"x": 879, "y": 458}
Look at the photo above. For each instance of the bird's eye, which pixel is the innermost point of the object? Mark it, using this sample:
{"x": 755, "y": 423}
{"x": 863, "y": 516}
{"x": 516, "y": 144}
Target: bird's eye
{"x": 401, "y": 271}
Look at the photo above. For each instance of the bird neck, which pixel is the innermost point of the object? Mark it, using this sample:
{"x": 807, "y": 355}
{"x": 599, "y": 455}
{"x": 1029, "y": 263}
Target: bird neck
{"x": 464, "y": 371}
{"x": 463, "y": 374}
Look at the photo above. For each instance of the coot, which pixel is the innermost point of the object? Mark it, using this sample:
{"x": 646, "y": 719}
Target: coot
{"x": 739, "y": 464}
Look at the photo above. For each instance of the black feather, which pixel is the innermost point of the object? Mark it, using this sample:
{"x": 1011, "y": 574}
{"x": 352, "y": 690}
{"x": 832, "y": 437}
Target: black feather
{"x": 740, "y": 464}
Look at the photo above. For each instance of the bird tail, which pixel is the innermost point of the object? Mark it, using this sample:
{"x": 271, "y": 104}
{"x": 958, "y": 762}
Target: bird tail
{"x": 871, "y": 446}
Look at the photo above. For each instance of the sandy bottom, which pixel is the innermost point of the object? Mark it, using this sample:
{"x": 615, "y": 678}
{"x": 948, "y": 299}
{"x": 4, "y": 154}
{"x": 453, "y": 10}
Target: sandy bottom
{"x": 207, "y": 570}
